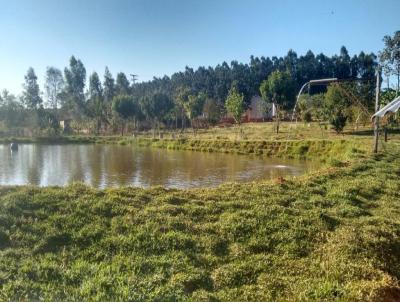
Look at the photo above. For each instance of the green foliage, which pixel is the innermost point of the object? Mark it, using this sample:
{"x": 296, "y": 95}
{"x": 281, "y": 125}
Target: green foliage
{"x": 211, "y": 111}
{"x": 75, "y": 78}
{"x": 338, "y": 120}
{"x": 387, "y": 96}
{"x": 337, "y": 107}
{"x": 31, "y": 94}
{"x": 390, "y": 58}
{"x": 124, "y": 106}
{"x": 156, "y": 106}
{"x": 54, "y": 85}
{"x": 279, "y": 88}
{"x": 235, "y": 104}
{"x": 122, "y": 85}
{"x": 194, "y": 105}
{"x": 109, "y": 86}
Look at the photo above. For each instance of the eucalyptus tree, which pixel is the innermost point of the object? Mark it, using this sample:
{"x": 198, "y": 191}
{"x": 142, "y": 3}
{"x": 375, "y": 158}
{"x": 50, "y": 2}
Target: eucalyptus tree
{"x": 54, "y": 84}
{"x": 75, "y": 78}
{"x": 181, "y": 98}
{"x": 124, "y": 107}
{"x": 108, "y": 86}
{"x": 211, "y": 110}
{"x": 96, "y": 104}
{"x": 194, "y": 106}
{"x": 122, "y": 85}
{"x": 31, "y": 92}
{"x": 155, "y": 108}
{"x": 390, "y": 57}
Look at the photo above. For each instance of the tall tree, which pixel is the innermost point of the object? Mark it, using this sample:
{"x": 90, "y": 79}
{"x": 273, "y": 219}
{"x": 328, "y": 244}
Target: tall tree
{"x": 75, "y": 78}
{"x": 95, "y": 89}
{"x": 31, "y": 93}
{"x": 54, "y": 84}
{"x": 181, "y": 98}
{"x": 97, "y": 108}
{"x": 194, "y": 106}
{"x": 122, "y": 85}
{"x": 109, "y": 86}
{"x": 124, "y": 107}
{"x": 155, "y": 108}
{"x": 390, "y": 57}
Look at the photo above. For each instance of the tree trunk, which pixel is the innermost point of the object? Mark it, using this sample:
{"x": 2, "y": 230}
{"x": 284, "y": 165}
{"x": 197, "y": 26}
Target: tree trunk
{"x": 183, "y": 120}
{"x": 277, "y": 119}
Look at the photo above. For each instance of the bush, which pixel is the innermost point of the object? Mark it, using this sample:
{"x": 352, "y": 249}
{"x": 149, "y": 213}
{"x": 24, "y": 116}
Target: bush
{"x": 338, "y": 121}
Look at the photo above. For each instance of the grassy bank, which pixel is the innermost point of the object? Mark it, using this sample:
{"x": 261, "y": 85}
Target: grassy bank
{"x": 309, "y": 141}
{"x": 330, "y": 236}
{"x": 323, "y": 150}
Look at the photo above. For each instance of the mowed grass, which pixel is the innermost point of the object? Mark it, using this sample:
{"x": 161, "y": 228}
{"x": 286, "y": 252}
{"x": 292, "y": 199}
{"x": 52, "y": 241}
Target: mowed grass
{"x": 330, "y": 236}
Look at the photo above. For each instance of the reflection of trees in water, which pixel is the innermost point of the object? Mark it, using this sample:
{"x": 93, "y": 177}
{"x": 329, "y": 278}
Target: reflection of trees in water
{"x": 10, "y": 166}
{"x": 177, "y": 168}
{"x": 113, "y": 165}
{"x": 119, "y": 163}
{"x": 34, "y": 163}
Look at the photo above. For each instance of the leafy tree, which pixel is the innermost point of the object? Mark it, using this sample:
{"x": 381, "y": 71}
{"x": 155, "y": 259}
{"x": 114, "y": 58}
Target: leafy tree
{"x": 11, "y": 111}
{"x": 235, "y": 104}
{"x": 97, "y": 108}
{"x": 181, "y": 98}
{"x": 337, "y": 107}
{"x": 342, "y": 63}
{"x": 155, "y": 107}
{"x": 122, "y": 86}
{"x": 95, "y": 89}
{"x": 109, "y": 86}
{"x": 211, "y": 111}
{"x": 390, "y": 57}
{"x": 54, "y": 84}
{"x": 48, "y": 122}
{"x": 194, "y": 105}
{"x": 124, "y": 107}
{"x": 338, "y": 120}
{"x": 31, "y": 93}
{"x": 75, "y": 77}
{"x": 278, "y": 89}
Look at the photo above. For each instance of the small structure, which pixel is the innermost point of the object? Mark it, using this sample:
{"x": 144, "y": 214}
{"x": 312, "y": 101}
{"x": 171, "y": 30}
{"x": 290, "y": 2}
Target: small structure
{"x": 393, "y": 106}
{"x": 65, "y": 125}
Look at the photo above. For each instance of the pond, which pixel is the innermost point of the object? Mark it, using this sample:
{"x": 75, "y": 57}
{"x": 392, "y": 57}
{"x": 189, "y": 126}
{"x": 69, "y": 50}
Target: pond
{"x": 104, "y": 166}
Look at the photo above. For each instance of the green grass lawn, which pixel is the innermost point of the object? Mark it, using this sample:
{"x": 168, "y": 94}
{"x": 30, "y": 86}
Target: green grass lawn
{"x": 333, "y": 235}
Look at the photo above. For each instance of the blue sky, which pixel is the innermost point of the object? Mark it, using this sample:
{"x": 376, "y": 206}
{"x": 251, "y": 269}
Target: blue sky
{"x": 157, "y": 37}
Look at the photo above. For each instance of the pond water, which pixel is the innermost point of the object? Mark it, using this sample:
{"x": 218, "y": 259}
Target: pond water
{"x": 104, "y": 166}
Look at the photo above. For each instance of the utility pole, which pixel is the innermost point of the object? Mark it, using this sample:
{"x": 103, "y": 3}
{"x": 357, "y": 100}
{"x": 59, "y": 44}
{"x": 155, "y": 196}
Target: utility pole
{"x": 376, "y": 121}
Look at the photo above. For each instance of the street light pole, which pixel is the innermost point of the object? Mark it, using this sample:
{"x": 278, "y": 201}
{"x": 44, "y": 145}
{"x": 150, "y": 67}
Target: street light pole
{"x": 376, "y": 121}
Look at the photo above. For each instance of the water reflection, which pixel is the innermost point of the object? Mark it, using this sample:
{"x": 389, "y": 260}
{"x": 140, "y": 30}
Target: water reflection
{"x": 113, "y": 165}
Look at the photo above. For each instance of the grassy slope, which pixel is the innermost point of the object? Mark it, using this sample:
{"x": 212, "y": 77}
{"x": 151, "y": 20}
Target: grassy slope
{"x": 334, "y": 235}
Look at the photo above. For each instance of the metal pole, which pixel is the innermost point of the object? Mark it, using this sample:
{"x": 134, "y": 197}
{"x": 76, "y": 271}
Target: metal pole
{"x": 376, "y": 121}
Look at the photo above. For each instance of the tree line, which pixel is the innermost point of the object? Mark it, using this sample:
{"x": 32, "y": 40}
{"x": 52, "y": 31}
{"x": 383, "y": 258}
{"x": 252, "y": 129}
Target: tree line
{"x": 111, "y": 105}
